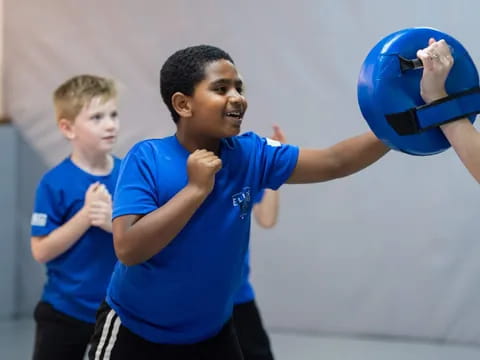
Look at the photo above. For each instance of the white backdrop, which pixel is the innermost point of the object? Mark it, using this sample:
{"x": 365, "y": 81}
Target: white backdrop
{"x": 390, "y": 251}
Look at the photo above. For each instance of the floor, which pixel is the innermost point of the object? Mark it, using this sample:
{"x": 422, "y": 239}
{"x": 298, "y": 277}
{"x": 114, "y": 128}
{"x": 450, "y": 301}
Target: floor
{"x": 16, "y": 343}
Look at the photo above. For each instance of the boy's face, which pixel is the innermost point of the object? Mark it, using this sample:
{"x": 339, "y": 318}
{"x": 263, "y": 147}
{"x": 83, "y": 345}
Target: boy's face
{"x": 95, "y": 128}
{"x": 218, "y": 104}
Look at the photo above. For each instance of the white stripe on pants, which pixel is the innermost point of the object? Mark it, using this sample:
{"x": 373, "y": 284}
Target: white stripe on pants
{"x": 106, "y": 329}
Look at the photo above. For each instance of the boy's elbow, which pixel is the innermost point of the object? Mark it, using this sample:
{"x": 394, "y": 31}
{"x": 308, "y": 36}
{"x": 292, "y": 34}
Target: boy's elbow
{"x": 267, "y": 223}
{"x": 126, "y": 258}
{"x": 39, "y": 255}
{"x": 124, "y": 253}
{"x": 265, "y": 217}
{"x": 37, "y": 252}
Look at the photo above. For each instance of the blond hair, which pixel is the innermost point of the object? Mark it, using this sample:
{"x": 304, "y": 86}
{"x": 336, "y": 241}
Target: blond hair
{"x": 71, "y": 97}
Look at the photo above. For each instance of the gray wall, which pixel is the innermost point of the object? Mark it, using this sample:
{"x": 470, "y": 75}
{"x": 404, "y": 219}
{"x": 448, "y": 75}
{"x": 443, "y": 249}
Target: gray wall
{"x": 29, "y": 274}
{"x": 8, "y": 218}
{"x": 21, "y": 278}
{"x": 391, "y": 251}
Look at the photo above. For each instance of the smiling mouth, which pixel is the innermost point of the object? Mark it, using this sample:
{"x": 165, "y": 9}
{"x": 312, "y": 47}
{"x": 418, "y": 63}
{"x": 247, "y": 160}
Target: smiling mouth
{"x": 234, "y": 115}
{"x": 234, "y": 120}
{"x": 109, "y": 138}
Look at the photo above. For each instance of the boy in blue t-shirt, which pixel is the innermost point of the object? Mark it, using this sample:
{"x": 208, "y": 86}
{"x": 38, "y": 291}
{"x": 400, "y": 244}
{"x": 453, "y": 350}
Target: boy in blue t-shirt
{"x": 252, "y": 336}
{"x": 71, "y": 222}
{"x": 182, "y": 211}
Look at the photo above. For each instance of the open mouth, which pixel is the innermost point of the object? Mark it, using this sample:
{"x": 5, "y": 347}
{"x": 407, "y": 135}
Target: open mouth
{"x": 234, "y": 118}
{"x": 235, "y": 114}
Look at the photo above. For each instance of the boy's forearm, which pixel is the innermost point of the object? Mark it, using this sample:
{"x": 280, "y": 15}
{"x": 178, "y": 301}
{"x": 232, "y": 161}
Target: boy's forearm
{"x": 339, "y": 160}
{"x": 61, "y": 239}
{"x": 154, "y": 231}
{"x": 465, "y": 139}
{"x": 357, "y": 153}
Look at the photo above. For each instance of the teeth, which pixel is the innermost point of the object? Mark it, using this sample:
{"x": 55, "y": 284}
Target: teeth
{"x": 235, "y": 114}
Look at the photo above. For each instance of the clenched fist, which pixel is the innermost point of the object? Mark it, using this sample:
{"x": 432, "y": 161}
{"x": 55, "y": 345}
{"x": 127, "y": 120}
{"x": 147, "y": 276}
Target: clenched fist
{"x": 202, "y": 165}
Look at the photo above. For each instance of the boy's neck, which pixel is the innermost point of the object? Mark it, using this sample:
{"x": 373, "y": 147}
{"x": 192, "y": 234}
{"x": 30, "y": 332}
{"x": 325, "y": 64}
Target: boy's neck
{"x": 95, "y": 164}
{"x": 197, "y": 143}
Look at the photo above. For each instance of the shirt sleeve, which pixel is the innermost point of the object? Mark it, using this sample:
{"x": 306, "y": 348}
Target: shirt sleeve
{"x": 48, "y": 209}
{"x": 258, "y": 198}
{"x": 276, "y": 161}
{"x": 135, "y": 192}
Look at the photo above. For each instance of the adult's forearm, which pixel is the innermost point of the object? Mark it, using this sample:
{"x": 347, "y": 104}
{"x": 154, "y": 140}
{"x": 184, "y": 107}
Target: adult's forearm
{"x": 465, "y": 139}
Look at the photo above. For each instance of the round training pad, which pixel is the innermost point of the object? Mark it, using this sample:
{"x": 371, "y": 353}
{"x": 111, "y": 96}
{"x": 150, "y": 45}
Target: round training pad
{"x": 383, "y": 88}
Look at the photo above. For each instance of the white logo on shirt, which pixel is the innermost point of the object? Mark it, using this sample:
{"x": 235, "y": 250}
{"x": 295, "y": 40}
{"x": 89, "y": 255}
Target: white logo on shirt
{"x": 39, "y": 219}
{"x": 272, "y": 142}
{"x": 242, "y": 200}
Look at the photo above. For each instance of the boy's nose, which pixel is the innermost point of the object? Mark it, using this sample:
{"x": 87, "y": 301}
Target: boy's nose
{"x": 236, "y": 97}
{"x": 111, "y": 123}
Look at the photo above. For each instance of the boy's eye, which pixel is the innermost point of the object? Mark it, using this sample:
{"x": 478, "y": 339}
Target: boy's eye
{"x": 97, "y": 117}
{"x": 221, "y": 89}
{"x": 224, "y": 89}
{"x": 114, "y": 114}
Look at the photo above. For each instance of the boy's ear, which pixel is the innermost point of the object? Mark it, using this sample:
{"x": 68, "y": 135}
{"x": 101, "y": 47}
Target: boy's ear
{"x": 181, "y": 104}
{"x": 66, "y": 128}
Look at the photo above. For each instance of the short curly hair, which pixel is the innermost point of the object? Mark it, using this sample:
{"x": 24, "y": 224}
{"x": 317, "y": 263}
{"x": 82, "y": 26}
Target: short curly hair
{"x": 184, "y": 69}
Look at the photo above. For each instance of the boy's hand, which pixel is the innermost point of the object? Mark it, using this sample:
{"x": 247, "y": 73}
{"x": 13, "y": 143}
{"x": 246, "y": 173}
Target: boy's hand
{"x": 278, "y": 134}
{"x": 102, "y": 193}
{"x": 437, "y": 61}
{"x": 202, "y": 165}
{"x": 98, "y": 206}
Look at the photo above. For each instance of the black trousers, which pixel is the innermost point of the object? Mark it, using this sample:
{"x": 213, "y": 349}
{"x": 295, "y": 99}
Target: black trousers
{"x": 113, "y": 341}
{"x": 59, "y": 336}
{"x": 251, "y": 334}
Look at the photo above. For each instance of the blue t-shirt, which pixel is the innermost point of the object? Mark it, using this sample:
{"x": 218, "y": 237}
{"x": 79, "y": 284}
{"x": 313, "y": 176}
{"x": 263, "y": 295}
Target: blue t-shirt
{"x": 246, "y": 292}
{"x": 185, "y": 293}
{"x": 77, "y": 279}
